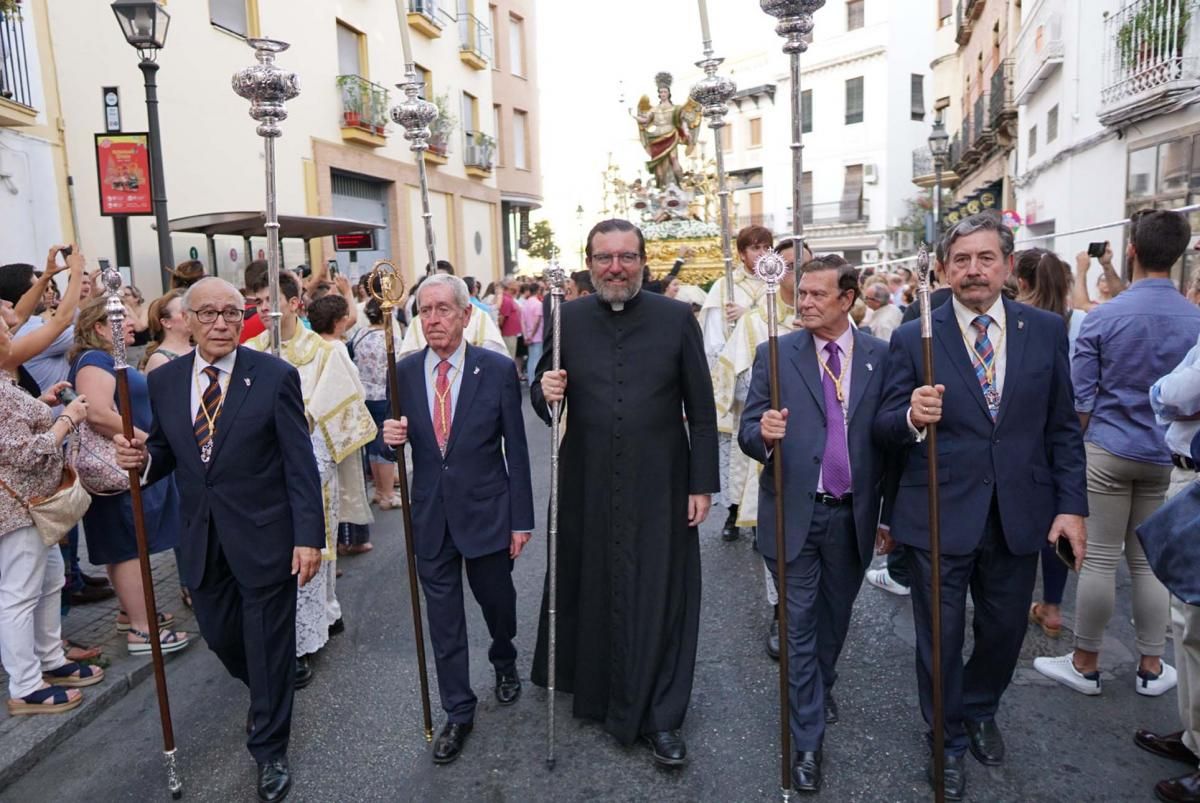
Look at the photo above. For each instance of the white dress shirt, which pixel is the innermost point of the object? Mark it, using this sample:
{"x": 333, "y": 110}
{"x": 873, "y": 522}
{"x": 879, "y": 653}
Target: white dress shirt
{"x": 200, "y": 381}
{"x": 457, "y": 359}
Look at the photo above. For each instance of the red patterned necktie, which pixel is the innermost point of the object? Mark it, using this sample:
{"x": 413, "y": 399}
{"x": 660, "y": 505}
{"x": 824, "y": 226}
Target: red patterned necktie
{"x": 441, "y": 404}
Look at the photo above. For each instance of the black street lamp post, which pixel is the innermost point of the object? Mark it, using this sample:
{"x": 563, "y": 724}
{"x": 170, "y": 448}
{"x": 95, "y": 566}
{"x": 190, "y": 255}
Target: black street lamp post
{"x": 939, "y": 148}
{"x": 145, "y": 23}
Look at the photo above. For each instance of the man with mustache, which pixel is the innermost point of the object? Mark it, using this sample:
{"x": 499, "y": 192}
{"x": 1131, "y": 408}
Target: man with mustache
{"x": 635, "y": 484}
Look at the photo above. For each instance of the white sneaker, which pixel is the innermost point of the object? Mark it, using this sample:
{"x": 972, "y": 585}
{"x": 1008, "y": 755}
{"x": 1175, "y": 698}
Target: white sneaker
{"x": 881, "y": 579}
{"x": 1063, "y": 670}
{"x": 1154, "y": 685}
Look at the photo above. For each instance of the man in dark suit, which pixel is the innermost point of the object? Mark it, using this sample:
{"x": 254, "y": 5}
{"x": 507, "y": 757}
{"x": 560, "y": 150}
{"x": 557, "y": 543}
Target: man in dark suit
{"x": 472, "y": 497}
{"x": 230, "y": 423}
{"x": 833, "y": 475}
{"x": 1010, "y": 475}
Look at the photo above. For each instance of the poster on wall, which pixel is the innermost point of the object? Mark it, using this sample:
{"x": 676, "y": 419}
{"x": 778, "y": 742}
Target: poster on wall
{"x": 123, "y": 174}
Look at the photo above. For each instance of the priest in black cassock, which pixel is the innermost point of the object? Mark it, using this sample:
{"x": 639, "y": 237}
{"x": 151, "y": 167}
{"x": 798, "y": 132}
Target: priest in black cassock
{"x": 635, "y": 482}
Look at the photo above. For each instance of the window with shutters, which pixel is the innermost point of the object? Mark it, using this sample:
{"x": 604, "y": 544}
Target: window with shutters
{"x": 918, "y": 96}
{"x": 854, "y": 100}
{"x": 516, "y": 45}
{"x": 1032, "y": 141}
{"x": 806, "y": 111}
{"x": 349, "y": 51}
{"x": 236, "y": 16}
{"x": 755, "y": 140}
{"x": 852, "y": 187}
{"x": 520, "y": 140}
{"x": 855, "y": 14}
{"x": 1052, "y": 124}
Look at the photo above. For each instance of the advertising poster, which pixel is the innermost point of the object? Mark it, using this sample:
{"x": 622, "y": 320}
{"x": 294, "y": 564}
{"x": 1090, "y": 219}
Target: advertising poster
{"x": 123, "y": 171}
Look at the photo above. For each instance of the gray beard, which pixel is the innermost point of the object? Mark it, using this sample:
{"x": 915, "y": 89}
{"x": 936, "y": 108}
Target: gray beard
{"x": 617, "y": 295}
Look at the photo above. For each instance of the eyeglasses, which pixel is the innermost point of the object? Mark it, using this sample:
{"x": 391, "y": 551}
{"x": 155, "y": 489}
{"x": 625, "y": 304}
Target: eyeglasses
{"x": 209, "y": 315}
{"x": 628, "y": 259}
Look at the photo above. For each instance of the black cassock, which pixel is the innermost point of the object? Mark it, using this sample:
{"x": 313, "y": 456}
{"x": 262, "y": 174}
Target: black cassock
{"x": 628, "y": 564}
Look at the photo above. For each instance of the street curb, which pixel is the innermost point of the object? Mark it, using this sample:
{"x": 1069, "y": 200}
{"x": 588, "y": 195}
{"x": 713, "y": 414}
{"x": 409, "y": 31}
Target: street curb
{"x": 41, "y": 738}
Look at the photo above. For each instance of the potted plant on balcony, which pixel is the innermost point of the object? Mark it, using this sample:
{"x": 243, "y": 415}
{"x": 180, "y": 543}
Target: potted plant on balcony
{"x": 379, "y": 110}
{"x": 485, "y": 149}
{"x": 442, "y": 126}
{"x": 352, "y": 101}
{"x": 1147, "y": 36}
{"x": 10, "y": 8}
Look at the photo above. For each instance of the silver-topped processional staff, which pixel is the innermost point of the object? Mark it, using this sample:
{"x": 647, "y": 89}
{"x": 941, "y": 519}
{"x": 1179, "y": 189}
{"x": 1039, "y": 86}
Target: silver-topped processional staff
{"x": 771, "y": 268}
{"x": 713, "y": 93}
{"x": 795, "y": 23}
{"x": 268, "y": 87}
{"x": 556, "y": 277}
{"x": 935, "y": 538}
{"x": 115, "y": 310}
{"x": 415, "y": 115}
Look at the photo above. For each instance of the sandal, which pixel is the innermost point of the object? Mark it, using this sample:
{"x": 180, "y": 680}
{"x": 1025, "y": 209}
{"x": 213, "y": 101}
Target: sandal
{"x": 74, "y": 675}
{"x": 78, "y": 652}
{"x": 1038, "y": 618}
{"x": 165, "y": 620}
{"x": 171, "y": 640}
{"x": 60, "y": 700}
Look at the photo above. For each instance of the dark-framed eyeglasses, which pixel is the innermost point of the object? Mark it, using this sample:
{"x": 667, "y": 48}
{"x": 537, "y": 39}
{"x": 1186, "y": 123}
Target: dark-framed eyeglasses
{"x": 627, "y": 259}
{"x": 208, "y": 315}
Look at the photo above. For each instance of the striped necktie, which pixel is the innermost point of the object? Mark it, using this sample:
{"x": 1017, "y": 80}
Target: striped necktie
{"x": 985, "y": 364}
{"x": 210, "y": 408}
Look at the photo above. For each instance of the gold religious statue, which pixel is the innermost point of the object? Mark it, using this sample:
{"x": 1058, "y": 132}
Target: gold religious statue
{"x": 664, "y": 129}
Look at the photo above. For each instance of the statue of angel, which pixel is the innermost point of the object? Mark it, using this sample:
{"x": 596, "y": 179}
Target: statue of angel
{"x": 665, "y": 128}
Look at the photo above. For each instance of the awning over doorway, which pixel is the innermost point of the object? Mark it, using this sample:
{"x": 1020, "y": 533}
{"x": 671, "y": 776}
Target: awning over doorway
{"x": 253, "y": 224}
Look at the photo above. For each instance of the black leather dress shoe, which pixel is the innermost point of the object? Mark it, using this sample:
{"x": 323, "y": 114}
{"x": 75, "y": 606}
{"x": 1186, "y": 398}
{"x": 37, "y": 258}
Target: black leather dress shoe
{"x": 667, "y": 747}
{"x": 987, "y": 744}
{"x": 304, "y": 673}
{"x": 274, "y": 780}
{"x": 954, "y": 775}
{"x": 831, "y": 709}
{"x": 1185, "y": 789}
{"x": 773, "y": 640}
{"x": 1170, "y": 746}
{"x": 806, "y": 771}
{"x": 508, "y": 687}
{"x": 730, "y": 531}
{"x": 449, "y": 743}
{"x": 337, "y": 627}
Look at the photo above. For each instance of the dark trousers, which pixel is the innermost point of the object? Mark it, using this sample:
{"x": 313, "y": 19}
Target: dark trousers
{"x": 490, "y": 577}
{"x": 253, "y": 632}
{"x": 1054, "y": 576}
{"x": 822, "y": 583}
{"x": 1001, "y": 586}
{"x": 897, "y": 565}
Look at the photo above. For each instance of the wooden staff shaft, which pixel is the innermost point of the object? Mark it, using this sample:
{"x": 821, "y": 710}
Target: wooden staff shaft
{"x": 406, "y": 510}
{"x": 785, "y": 714}
{"x": 935, "y": 593}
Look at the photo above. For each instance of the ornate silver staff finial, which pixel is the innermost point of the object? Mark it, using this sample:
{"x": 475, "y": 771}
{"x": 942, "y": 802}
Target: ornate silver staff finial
{"x": 267, "y": 86}
{"x": 771, "y": 268}
{"x": 923, "y": 267}
{"x": 795, "y": 21}
{"x": 114, "y": 309}
{"x": 924, "y": 288}
{"x": 415, "y": 114}
{"x": 556, "y": 277}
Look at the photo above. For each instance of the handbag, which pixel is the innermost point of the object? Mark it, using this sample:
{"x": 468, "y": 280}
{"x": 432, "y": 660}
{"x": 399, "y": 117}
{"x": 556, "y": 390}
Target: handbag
{"x": 56, "y": 514}
{"x": 1169, "y": 540}
{"x": 95, "y": 460}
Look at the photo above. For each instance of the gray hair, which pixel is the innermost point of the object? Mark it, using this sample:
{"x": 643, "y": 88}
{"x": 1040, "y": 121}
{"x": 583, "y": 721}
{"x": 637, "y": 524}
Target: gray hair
{"x": 210, "y": 281}
{"x": 879, "y": 292}
{"x": 984, "y": 221}
{"x": 461, "y": 297}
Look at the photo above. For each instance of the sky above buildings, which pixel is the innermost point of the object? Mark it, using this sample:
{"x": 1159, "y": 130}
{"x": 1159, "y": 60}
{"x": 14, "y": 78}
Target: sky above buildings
{"x": 592, "y": 53}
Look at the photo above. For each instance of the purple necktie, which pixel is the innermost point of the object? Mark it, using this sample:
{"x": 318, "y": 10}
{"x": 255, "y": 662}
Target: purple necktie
{"x": 835, "y": 465}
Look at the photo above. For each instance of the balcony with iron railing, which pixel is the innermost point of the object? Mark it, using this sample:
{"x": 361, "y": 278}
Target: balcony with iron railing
{"x": 965, "y": 15}
{"x": 474, "y": 42}
{"x": 1002, "y": 109}
{"x": 364, "y": 111}
{"x": 1040, "y": 50}
{"x": 16, "y": 94}
{"x": 848, "y": 212}
{"x": 1151, "y": 62}
{"x": 430, "y": 17}
{"x": 479, "y": 154}
{"x": 982, "y": 131}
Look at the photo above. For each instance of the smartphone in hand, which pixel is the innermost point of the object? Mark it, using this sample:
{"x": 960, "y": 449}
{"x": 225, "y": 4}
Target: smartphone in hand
{"x": 1065, "y": 552}
{"x": 1096, "y": 250}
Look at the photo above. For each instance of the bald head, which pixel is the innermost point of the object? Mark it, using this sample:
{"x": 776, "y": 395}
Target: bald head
{"x": 219, "y": 300}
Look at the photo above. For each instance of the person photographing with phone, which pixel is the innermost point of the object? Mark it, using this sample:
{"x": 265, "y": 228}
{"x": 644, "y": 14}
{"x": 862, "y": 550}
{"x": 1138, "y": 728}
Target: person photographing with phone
{"x": 1108, "y": 284}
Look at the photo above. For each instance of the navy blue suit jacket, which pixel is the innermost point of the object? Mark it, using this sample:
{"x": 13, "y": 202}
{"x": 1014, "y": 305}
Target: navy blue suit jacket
{"x": 261, "y": 491}
{"x": 1031, "y": 457}
{"x": 480, "y": 491}
{"x": 803, "y": 395}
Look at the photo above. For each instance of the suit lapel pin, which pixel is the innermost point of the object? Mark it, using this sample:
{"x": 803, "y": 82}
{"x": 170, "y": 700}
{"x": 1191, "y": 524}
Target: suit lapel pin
{"x": 246, "y": 379}
{"x": 1020, "y": 324}
{"x": 870, "y": 367}
{"x": 476, "y": 371}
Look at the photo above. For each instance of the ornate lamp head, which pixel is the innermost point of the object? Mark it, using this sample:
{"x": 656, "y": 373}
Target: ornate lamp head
{"x": 267, "y": 86}
{"x": 795, "y": 21}
{"x": 771, "y": 268}
{"x": 713, "y": 92}
{"x": 386, "y": 285}
{"x": 556, "y": 277}
{"x": 414, "y": 114}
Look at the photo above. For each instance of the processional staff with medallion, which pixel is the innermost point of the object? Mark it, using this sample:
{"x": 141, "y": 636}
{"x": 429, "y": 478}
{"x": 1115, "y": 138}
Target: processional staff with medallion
{"x": 115, "y": 310}
{"x": 556, "y": 278}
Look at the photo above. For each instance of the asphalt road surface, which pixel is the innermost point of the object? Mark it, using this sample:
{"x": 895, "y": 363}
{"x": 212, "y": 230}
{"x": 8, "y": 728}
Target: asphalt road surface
{"x": 357, "y": 728}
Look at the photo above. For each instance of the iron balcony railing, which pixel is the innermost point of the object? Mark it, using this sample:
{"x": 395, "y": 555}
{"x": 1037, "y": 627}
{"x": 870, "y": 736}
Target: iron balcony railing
{"x": 846, "y": 212}
{"x": 433, "y": 11}
{"x": 479, "y": 150}
{"x": 474, "y": 36}
{"x": 1153, "y": 48}
{"x": 983, "y": 123}
{"x": 364, "y": 104}
{"x": 1001, "y": 102}
{"x": 14, "y": 62}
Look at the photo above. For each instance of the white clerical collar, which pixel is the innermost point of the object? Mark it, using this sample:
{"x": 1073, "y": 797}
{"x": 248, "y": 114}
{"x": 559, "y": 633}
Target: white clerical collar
{"x": 619, "y": 306}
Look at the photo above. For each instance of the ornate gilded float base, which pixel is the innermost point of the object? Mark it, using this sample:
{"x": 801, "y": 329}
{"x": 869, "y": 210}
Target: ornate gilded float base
{"x": 702, "y": 267}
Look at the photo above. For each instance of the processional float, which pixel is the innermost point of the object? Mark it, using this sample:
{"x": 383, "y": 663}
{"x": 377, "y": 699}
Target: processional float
{"x": 268, "y": 87}
{"x": 115, "y": 310}
{"x": 795, "y": 23}
{"x": 713, "y": 93}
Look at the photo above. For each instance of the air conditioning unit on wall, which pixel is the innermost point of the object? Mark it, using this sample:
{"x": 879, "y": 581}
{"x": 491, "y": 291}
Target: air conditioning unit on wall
{"x": 869, "y": 256}
{"x": 870, "y": 174}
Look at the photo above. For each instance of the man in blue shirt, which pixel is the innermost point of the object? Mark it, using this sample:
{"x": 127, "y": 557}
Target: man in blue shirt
{"x": 1176, "y": 402}
{"x": 1123, "y": 347}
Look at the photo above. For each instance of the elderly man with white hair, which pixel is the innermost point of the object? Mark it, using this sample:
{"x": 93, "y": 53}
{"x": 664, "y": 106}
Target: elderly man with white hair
{"x": 885, "y": 316}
